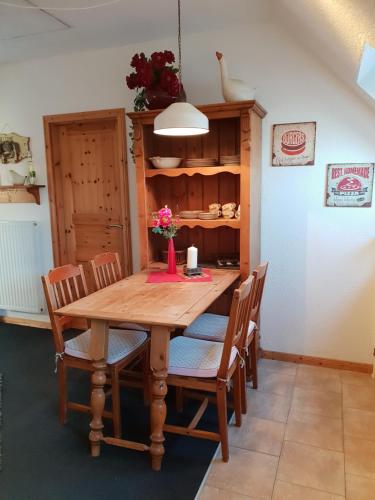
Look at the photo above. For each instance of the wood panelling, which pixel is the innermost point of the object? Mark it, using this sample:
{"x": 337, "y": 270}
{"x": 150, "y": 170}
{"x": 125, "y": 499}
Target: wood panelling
{"x": 223, "y": 139}
{"x": 223, "y": 241}
{"x": 192, "y": 193}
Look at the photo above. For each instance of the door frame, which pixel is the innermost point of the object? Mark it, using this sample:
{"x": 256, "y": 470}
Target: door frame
{"x": 51, "y": 125}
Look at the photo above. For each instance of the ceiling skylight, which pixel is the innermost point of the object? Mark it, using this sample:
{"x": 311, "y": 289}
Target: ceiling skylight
{"x": 366, "y": 73}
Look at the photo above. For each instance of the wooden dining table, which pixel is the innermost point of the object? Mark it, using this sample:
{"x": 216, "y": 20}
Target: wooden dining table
{"x": 162, "y": 306}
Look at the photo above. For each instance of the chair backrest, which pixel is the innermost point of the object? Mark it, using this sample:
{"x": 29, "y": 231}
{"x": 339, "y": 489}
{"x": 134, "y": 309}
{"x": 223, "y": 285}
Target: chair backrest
{"x": 106, "y": 269}
{"x": 259, "y": 274}
{"x": 62, "y": 286}
{"x": 238, "y": 323}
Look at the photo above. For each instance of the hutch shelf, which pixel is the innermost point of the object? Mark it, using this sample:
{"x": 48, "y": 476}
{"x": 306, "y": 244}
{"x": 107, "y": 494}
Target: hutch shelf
{"x": 235, "y": 129}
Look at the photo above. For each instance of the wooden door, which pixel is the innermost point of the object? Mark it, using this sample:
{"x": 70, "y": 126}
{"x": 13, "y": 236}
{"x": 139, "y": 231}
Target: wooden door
{"x": 88, "y": 186}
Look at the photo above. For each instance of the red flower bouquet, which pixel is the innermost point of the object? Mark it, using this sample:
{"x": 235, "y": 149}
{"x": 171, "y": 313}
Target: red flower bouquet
{"x": 165, "y": 224}
{"x": 152, "y": 77}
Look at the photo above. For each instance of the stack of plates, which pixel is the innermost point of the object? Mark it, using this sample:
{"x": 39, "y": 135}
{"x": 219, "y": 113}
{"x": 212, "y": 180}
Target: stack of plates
{"x": 208, "y": 215}
{"x": 230, "y": 160}
{"x": 189, "y": 214}
{"x": 200, "y": 162}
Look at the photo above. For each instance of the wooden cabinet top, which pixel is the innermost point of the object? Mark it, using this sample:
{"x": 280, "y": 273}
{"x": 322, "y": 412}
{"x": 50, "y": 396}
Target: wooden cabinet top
{"x": 217, "y": 110}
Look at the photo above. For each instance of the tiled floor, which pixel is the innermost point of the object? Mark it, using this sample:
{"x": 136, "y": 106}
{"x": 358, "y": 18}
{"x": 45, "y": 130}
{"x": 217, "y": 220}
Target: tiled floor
{"x": 309, "y": 435}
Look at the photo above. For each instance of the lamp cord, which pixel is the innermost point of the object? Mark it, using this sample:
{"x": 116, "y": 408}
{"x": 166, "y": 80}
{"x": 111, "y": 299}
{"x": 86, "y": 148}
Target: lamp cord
{"x": 179, "y": 45}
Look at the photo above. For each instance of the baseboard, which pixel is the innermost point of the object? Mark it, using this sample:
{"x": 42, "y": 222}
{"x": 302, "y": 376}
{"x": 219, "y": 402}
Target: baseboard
{"x": 25, "y": 322}
{"x": 315, "y": 361}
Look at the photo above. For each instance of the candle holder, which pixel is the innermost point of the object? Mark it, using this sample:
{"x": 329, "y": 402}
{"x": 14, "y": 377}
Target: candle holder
{"x": 192, "y": 272}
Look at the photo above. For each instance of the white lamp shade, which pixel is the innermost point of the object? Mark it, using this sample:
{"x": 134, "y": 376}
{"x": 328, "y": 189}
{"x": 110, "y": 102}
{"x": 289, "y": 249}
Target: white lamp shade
{"x": 179, "y": 119}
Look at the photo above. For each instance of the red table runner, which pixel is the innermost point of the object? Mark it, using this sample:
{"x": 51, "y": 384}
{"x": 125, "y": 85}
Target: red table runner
{"x": 164, "y": 277}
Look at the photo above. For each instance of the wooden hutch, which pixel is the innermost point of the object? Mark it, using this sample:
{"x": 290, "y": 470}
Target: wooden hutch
{"x": 235, "y": 129}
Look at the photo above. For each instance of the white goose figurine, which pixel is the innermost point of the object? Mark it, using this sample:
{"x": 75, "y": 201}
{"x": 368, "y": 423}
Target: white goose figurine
{"x": 232, "y": 89}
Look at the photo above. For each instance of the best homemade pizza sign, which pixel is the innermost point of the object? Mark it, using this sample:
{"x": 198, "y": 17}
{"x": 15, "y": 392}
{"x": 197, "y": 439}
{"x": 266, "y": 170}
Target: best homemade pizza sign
{"x": 349, "y": 184}
{"x": 293, "y": 144}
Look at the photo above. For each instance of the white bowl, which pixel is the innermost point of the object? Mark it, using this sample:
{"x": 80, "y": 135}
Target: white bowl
{"x": 162, "y": 162}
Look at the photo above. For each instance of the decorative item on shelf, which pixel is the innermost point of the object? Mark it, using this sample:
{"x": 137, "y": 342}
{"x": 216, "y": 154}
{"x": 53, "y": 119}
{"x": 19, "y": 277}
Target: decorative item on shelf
{"x": 164, "y": 162}
{"x": 192, "y": 268}
{"x": 167, "y": 226}
{"x": 180, "y": 257}
{"x": 229, "y": 160}
{"x": 214, "y": 207}
{"x": 31, "y": 177}
{"x": 229, "y": 214}
{"x": 180, "y": 118}
{"x": 232, "y": 89}
{"x": 208, "y": 215}
{"x": 5, "y": 176}
{"x": 155, "y": 79}
{"x": 17, "y": 178}
{"x": 201, "y": 162}
{"x": 228, "y": 210}
{"x": 238, "y": 212}
{"x": 190, "y": 214}
{"x": 230, "y": 262}
{"x": 229, "y": 206}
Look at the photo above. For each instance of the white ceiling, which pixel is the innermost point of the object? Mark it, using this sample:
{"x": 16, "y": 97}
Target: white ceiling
{"x": 26, "y": 33}
{"x": 335, "y": 30}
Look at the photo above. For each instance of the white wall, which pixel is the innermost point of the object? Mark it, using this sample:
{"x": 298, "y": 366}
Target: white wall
{"x": 321, "y": 285}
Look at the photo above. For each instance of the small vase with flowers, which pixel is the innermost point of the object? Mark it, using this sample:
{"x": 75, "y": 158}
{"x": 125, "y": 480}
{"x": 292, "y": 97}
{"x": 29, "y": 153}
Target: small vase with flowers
{"x": 166, "y": 225}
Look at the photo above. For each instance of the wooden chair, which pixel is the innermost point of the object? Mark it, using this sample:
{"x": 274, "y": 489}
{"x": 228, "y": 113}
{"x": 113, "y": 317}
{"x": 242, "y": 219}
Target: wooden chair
{"x": 259, "y": 273}
{"x": 63, "y": 285}
{"x": 106, "y": 268}
{"x": 213, "y": 327}
{"x": 210, "y": 366}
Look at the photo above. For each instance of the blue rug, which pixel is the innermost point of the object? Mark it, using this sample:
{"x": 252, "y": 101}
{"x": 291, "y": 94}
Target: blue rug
{"x": 43, "y": 460}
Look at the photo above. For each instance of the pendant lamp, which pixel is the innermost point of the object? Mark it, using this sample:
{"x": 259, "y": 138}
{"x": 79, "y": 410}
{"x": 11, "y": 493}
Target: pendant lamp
{"x": 180, "y": 118}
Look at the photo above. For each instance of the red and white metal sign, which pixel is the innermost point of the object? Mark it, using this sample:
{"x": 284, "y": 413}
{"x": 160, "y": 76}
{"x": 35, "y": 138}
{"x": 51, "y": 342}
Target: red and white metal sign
{"x": 349, "y": 184}
{"x": 293, "y": 144}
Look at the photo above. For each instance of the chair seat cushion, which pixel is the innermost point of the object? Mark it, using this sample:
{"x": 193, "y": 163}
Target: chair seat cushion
{"x": 121, "y": 343}
{"x": 196, "y": 358}
{"x": 134, "y": 326}
{"x": 210, "y": 326}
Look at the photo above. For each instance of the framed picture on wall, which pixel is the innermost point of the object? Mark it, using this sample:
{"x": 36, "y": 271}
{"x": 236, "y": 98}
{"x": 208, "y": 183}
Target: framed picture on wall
{"x": 14, "y": 148}
{"x": 293, "y": 144}
{"x": 349, "y": 184}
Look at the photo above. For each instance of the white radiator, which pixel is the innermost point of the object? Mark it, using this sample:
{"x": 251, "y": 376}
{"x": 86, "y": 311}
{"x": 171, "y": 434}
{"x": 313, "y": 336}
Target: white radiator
{"x": 20, "y": 285}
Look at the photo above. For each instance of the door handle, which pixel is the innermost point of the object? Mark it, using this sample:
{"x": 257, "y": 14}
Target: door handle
{"x": 120, "y": 226}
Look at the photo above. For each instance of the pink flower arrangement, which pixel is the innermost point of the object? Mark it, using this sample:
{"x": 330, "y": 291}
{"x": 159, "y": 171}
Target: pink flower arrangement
{"x": 165, "y": 224}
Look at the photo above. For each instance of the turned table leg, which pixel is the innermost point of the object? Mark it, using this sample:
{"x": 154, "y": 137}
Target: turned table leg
{"x": 159, "y": 367}
{"x": 98, "y": 353}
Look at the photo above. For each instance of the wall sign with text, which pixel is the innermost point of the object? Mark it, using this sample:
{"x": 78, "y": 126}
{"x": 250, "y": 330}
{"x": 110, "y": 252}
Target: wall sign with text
{"x": 349, "y": 184}
{"x": 293, "y": 144}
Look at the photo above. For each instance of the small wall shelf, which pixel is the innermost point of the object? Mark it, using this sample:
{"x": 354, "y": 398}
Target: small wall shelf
{"x": 20, "y": 193}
